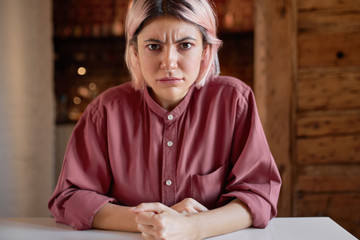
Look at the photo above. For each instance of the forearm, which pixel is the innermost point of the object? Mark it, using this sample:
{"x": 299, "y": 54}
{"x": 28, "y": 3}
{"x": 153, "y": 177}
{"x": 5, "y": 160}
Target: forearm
{"x": 231, "y": 217}
{"x": 115, "y": 217}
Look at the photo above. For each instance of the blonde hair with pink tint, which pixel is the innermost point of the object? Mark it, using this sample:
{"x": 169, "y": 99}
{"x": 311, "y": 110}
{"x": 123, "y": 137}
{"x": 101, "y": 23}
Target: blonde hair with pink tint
{"x": 198, "y": 12}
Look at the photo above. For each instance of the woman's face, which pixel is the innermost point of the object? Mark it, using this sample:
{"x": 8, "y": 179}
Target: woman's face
{"x": 170, "y": 52}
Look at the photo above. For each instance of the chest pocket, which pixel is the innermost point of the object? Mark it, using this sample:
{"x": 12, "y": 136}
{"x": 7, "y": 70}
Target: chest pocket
{"x": 207, "y": 189}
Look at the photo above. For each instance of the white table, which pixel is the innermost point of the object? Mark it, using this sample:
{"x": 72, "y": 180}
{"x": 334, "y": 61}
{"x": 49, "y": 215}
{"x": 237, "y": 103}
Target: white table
{"x": 278, "y": 229}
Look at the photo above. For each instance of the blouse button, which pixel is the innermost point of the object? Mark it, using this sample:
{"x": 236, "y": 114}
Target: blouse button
{"x": 169, "y": 143}
{"x": 170, "y": 117}
{"x": 168, "y": 182}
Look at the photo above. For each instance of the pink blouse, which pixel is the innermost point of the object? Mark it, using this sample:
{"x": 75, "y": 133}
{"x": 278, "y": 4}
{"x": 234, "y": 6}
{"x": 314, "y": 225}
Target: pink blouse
{"x": 126, "y": 149}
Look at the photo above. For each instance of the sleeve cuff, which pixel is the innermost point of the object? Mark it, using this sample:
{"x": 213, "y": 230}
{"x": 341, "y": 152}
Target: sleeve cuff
{"x": 259, "y": 208}
{"x": 80, "y": 209}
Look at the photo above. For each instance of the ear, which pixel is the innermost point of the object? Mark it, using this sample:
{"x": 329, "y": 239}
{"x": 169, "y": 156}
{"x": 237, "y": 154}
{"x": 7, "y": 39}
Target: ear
{"x": 135, "y": 51}
{"x": 205, "y": 62}
{"x": 134, "y": 55}
{"x": 205, "y": 51}
{"x": 135, "y": 68}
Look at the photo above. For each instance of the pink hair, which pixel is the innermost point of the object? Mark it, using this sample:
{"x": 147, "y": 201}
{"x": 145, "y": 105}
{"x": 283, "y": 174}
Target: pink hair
{"x": 198, "y": 12}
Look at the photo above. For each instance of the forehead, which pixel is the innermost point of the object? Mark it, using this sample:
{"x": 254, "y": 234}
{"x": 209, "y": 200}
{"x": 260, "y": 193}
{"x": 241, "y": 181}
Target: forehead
{"x": 169, "y": 26}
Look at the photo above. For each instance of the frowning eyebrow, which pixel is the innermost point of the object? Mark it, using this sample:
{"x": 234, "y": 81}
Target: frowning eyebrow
{"x": 177, "y": 41}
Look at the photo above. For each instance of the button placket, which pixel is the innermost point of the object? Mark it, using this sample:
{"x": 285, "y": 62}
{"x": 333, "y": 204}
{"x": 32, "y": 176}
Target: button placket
{"x": 168, "y": 182}
{"x": 169, "y": 161}
{"x": 170, "y": 117}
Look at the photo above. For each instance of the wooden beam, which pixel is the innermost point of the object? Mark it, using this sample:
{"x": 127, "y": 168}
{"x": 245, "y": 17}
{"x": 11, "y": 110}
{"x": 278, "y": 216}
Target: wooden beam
{"x": 273, "y": 84}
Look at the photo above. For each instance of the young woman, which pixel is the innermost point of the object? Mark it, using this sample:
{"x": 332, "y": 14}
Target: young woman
{"x": 180, "y": 152}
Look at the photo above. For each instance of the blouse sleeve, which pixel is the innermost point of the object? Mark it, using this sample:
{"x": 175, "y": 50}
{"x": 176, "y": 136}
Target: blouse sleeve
{"x": 254, "y": 178}
{"x": 85, "y": 177}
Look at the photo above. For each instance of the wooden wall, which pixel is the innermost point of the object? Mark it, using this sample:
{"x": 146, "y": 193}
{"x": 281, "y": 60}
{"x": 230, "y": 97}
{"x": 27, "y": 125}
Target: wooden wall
{"x": 327, "y": 111}
{"x": 315, "y": 58}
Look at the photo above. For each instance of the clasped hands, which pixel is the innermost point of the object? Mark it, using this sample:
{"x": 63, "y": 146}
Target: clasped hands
{"x": 157, "y": 222}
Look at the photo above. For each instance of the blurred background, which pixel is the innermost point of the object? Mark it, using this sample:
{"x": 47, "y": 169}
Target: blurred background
{"x": 301, "y": 57}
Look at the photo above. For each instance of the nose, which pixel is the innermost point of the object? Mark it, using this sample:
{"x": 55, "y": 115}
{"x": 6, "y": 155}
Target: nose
{"x": 169, "y": 59}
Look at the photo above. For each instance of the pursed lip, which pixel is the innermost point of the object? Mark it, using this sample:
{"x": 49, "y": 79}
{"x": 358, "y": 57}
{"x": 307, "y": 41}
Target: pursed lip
{"x": 169, "y": 80}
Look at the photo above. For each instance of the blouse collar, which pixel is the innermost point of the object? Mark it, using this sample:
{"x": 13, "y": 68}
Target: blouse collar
{"x": 162, "y": 112}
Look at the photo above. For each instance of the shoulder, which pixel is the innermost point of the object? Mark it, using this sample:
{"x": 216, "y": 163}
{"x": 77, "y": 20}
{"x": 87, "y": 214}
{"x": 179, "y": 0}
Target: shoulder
{"x": 229, "y": 86}
{"x": 113, "y": 98}
{"x": 231, "y": 91}
{"x": 115, "y": 95}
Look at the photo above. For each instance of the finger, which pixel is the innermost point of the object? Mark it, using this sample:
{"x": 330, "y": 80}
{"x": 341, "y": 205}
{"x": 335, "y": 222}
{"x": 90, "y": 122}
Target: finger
{"x": 148, "y": 230}
{"x": 189, "y": 211}
{"x": 190, "y": 205}
{"x": 199, "y": 207}
{"x": 196, "y": 205}
{"x": 145, "y": 218}
{"x": 152, "y": 233}
{"x": 147, "y": 237}
{"x": 150, "y": 207}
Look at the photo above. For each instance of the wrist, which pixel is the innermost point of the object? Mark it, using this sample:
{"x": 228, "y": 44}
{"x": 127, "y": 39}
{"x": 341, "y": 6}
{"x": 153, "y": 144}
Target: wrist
{"x": 196, "y": 226}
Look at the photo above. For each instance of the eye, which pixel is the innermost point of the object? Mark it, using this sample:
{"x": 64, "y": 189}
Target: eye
{"x": 185, "y": 45}
{"x": 153, "y": 46}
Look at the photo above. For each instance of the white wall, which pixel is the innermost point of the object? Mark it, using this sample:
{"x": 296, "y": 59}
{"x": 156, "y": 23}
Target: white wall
{"x": 26, "y": 108}
{"x": 62, "y": 136}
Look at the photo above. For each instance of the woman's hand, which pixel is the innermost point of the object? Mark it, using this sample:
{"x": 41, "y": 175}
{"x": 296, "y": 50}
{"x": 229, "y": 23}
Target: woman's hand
{"x": 157, "y": 221}
{"x": 189, "y": 206}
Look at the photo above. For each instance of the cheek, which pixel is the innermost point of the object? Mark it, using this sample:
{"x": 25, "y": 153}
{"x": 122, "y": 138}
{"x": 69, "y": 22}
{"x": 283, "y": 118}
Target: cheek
{"x": 147, "y": 65}
{"x": 192, "y": 65}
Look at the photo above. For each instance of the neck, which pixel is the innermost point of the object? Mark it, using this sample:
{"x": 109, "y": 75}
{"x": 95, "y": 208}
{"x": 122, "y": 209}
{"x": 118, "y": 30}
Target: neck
{"x": 165, "y": 103}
